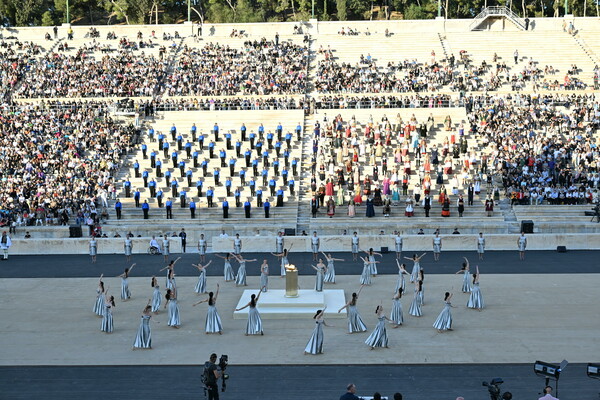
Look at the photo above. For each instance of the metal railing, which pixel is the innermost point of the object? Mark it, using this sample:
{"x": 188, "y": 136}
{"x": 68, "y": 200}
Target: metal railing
{"x": 497, "y": 11}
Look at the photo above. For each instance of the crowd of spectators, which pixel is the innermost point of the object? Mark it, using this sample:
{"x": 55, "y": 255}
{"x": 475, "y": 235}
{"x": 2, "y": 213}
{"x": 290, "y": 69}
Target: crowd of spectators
{"x": 259, "y": 68}
{"x": 15, "y": 59}
{"x": 56, "y": 166}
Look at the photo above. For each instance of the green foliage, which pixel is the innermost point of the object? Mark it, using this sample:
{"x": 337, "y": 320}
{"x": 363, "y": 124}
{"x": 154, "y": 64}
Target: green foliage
{"x": 342, "y": 13}
{"x": 48, "y": 19}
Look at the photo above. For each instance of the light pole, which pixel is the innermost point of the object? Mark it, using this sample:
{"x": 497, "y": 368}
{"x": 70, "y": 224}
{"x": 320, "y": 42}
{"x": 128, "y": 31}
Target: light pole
{"x": 313, "y": 9}
{"x": 566, "y": 7}
{"x": 68, "y": 17}
{"x": 189, "y": 10}
{"x": 439, "y": 8}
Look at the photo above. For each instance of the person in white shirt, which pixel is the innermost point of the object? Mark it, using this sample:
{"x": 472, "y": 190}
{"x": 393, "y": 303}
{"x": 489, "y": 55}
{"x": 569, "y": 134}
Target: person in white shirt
{"x": 223, "y": 234}
{"x": 5, "y": 244}
{"x": 548, "y": 394}
{"x": 154, "y": 243}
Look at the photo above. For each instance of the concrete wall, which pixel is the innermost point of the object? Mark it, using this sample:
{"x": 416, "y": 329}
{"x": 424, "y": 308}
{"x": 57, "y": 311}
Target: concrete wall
{"x": 302, "y": 243}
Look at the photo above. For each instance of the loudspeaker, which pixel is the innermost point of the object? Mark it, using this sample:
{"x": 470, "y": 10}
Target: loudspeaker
{"x": 561, "y": 249}
{"x": 384, "y": 250}
{"x": 289, "y": 232}
{"x": 75, "y": 231}
{"x": 527, "y": 226}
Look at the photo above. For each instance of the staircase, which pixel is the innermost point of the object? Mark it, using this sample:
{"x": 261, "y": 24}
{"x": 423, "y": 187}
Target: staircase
{"x": 495, "y": 11}
{"x": 595, "y": 58}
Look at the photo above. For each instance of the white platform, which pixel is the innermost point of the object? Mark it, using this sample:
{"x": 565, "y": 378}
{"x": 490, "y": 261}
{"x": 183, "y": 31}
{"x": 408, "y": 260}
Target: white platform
{"x": 274, "y": 305}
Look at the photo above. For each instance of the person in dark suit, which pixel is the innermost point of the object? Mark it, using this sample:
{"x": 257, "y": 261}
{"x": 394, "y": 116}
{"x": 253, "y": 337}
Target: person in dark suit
{"x": 427, "y": 205}
{"x": 314, "y": 206}
{"x": 470, "y": 195}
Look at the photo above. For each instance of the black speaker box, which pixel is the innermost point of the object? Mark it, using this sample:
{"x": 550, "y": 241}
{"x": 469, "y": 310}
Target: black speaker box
{"x": 561, "y": 249}
{"x": 289, "y": 232}
{"x": 384, "y": 250}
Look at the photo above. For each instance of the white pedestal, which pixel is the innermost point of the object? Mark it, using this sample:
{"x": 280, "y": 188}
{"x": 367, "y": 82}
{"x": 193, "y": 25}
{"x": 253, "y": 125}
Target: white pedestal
{"x": 274, "y": 305}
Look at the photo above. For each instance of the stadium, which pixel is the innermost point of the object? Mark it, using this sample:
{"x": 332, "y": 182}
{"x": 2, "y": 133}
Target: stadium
{"x": 376, "y": 145}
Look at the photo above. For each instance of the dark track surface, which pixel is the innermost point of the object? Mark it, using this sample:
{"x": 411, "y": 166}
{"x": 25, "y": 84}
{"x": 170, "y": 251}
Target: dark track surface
{"x": 415, "y": 382}
{"x": 496, "y": 262}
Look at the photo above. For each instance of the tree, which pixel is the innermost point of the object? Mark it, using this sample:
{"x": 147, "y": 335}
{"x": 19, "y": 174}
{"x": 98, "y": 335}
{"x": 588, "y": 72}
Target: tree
{"x": 48, "y": 19}
{"x": 341, "y": 10}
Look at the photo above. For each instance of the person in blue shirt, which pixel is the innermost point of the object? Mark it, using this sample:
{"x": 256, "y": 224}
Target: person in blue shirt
{"x": 247, "y": 208}
{"x": 136, "y": 197}
{"x": 255, "y": 167}
{"x": 265, "y": 156}
{"x": 209, "y": 196}
{"x": 237, "y": 195}
{"x": 232, "y": 162}
{"x": 222, "y": 156}
{"x": 199, "y": 184}
{"x": 278, "y": 148}
{"x": 174, "y": 157}
{"x": 151, "y": 134}
{"x": 238, "y": 148}
{"x": 228, "y": 186}
{"x": 216, "y": 175}
{"x": 152, "y": 159}
{"x": 243, "y": 132}
{"x": 228, "y": 141}
{"x": 118, "y": 208}
{"x": 182, "y": 168}
{"x": 272, "y": 185}
{"x": 195, "y": 157}
{"x": 291, "y": 186}
{"x": 295, "y": 166}
{"x": 167, "y": 178}
{"x": 265, "y": 176}
{"x": 158, "y": 166}
{"x": 252, "y": 137}
{"x": 204, "y": 166}
{"x": 270, "y": 140}
{"x": 252, "y": 185}
{"x": 288, "y": 140}
{"x": 188, "y": 149}
{"x": 225, "y": 206}
{"x": 127, "y": 186}
{"x": 216, "y": 132}
{"x": 299, "y": 131}
{"x": 173, "y": 132}
{"x": 247, "y": 156}
{"x": 284, "y": 175}
{"x": 174, "y": 185}
{"x": 259, "y": 201}
{"x": 179, "y": 142}
{"x": 152, "y": 187}
{"x": 279, "y": 131}
{"x": 189, "y": 175}
{"x": 182, "y": 197}
{"x": 146, "y": 209}
{"x": 193, "y": 132}
{"x": 243, "y": 176}
{"x": 211, "y": 149}
{"x": 192, "y": 208}
{"x": 159, "y": 198}
{"x": 169, "y": 208}
{"x": 279, "y": 198}
{"x": 261, "y": 131}
{"x": 201, "y": 141}
{"x": 258, "y": 148}
{"x": 161, "y": 140}
{"x": 276, "y": 166}
{"x": 267, "y": 207}
{"x": 166, "y": 149}
{"x": 145, "y": 176}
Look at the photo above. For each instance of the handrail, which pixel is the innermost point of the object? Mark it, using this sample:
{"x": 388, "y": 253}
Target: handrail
{"x": 497, "y": 11}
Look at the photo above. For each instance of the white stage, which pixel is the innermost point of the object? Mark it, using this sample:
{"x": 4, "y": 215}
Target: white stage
{"x": 274, "y": 305}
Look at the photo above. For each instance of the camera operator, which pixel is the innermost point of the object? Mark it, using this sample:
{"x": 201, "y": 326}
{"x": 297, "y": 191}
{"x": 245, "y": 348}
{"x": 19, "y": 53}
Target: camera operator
{"x": 212, "y": 375}
{"x": 548, "y": 394}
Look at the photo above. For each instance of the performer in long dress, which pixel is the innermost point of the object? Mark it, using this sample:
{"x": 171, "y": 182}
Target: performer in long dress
{"x": 522, "y": 244}
{"x": 466, "y": 285}
{"x": 237, "y": 245}
{"x": 99, "y": 303}
{"x": 365, "y": 277}
{"x": 125, "y": 293}
{"x": 415, "y": 305}
{"x": 315, "y": 344}
{"x": 330, "y": 274}
{"x": 93, "y": 249}
{"x": 201, "y": 285}
{"x": 315, "y": 242}
{"x": 398, "y": 246}
{"x": 264, "y": 276}
{"x": 213, "y": 321}
{"x": 355, "y": 246}
{"x": 355, "y": 322}
{"x": 143, "y": 339}
{"x": 202, "y": 246}
{"x": 476, "y": 299}
{"x": 480, "y": 245}
{"x": 437, "y": 246}
{"x": 254, "y": 325}
{"x": 166, "y": 248}
{"x": 422, "y": 291}
{"x": 128, "y": 247}
{"x": 284, "y": 259}
{"x": 401, "y": 282}
{"x": 240, "y": 278}
{"x": 156, "y": 298}
{"x": 170, "y": 281}
{"x": 227, "y": 268}
{"x": 107, "y": 318}
{"x": 444, "y": 320}
{"x": 396, "y": 316}
{"x": 321, "y": 270}
{"x": 279, "y": 243}
{"x": 414, "y": 275}
{"x": 171, "y": 297}
{"x": 378, "y": 338}
{"x": 372, "y": 263}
